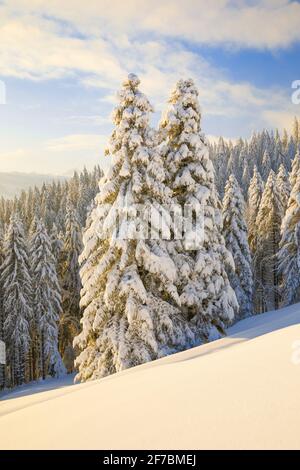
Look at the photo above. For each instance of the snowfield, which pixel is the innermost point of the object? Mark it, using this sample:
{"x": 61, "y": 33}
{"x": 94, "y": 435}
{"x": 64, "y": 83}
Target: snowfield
{"x": 239, "y": 392}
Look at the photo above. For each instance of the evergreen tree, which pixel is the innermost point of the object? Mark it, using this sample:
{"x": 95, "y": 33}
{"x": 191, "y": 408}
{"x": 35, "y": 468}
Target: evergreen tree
{"x": 221, "y": 163}
{"x": 243, "y": 162}
{"x": 284, "y": 187}
{"x": 131, "y": 313}
{"x": 268, "y": 224}
{"x": 86, "y": 195}
{"x": 231, "y": 162}
{"x": 255, "y": 192}
{"x": 2, "y": 338}
{"x": 46, "y": 302}
{"x": 278, "y": 157}
{"x": 296, "y": 131}
{"x": 255, "y": 149}
{"x": 71, "y": 283}
{"x": 295, "y": 169}
{"x": 291, "y": 151}
{"x": 236, "y": 238}
{"x": 57, "y": 243}
{"x": 289, "y": 249}
{"x": 205, "y": 292}
{"x": 246, "y": 178}
{"x": 285, "y": 140}
{"x": 17, "y": 301}
{"x": 266, "y": 165}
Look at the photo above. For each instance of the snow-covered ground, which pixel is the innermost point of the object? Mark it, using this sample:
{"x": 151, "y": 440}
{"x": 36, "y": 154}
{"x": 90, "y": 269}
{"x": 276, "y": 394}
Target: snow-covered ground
{"x": 239, "y": 392}
{"x": 37, "y": 387}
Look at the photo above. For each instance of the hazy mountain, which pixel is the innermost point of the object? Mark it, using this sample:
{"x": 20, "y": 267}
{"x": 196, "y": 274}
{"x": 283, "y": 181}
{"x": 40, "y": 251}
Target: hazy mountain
{"x": 11, "y": 184}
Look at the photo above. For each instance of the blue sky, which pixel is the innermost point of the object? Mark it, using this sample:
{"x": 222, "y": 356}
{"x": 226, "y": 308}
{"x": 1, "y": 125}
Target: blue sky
{"x": 63, "y": 63}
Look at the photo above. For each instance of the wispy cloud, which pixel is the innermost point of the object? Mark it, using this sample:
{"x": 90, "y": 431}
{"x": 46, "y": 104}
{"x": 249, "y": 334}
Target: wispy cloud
{"x": 76, "y": 142}
{"x": 88, "y": 120}
{"x": 241, "y": 23}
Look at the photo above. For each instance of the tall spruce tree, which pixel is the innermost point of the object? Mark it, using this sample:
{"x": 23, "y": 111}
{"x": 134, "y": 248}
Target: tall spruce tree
{"x": 236, "y": 238}
{"x": 289, "y": 248}
{"x": 255, "y": 192}
{"x": 284, "y": 187}
{"x": 205, "y": 292}
{"x": 268, "y": 224}
{"x": 70, "y": 278}
{"x": 266, "y": 165}
{"x": 2, "y": 366}
{"x": 221, "y": 163}
{"x": 46, "y": 303}
{"x": 57, "y": 243}
{"x": 295, "y": 169}
{"x": 296, "y": 131}
{"x": 17, "y": 302}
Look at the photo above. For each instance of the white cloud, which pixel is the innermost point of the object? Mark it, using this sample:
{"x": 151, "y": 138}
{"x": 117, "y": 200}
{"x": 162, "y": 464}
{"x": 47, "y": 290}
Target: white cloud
{"x": 104, "y": 39}
{"x": 89, "y": 119}
{"x": 77, "y": 142}
{"x": 34, "y": 49}
{"x": 39, "y": 47}
{"x": 242, "y": 23}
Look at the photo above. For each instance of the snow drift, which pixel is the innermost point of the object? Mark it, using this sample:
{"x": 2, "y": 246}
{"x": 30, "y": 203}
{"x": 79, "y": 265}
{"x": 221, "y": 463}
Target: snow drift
{"x": 238, "y": 392}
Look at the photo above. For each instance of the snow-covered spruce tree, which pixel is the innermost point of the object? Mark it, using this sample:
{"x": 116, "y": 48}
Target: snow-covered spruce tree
{"x": 57, "y": 243}
{"x": 283, "y": 186}
{"x": 291, "y": 152}
{"x": 246, "y": 178}
{"x": 57, "y": 249}
{"x": 70, "y": 279}
{"x": 278, "y": 157}
{"x": 296, "y": 131}
{"x": 268, "y": 224}
{"x": 231, "y": 162}
{"x": 295, "y": 169}
{"x": 289, "y": 248}
{"x": 236, "y": 238}
{"x": 266, "y": 165}
{"x": 17, "y": 301}
{"x": 131, "y": 313}
{"x": 243, "y": 165}
{"x": 46, "y": 302}
{"x": 2, "y": 366}
{"x": 255, "y": 192}
{"x": 87, "y": 194}
{"x": 207, "y": 298}
{"x": 285, "y": 140}
{"x": 220, "y": 165}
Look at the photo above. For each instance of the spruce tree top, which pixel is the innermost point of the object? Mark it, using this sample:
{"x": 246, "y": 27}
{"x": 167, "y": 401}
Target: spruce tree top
{"x": 186, "y": 151}
{"x": 131, "y": 147}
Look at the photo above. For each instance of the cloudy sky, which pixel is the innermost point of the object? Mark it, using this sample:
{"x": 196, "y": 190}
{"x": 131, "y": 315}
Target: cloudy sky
{"x": 63, "y": 60}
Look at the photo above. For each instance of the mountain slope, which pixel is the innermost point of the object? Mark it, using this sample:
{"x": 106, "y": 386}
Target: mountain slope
{"x": 11, "y": 184}
{"x": 239, "y": 392}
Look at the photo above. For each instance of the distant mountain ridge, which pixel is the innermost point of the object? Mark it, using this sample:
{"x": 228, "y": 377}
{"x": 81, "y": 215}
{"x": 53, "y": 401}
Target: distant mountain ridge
{"x": 12, "y": 183}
